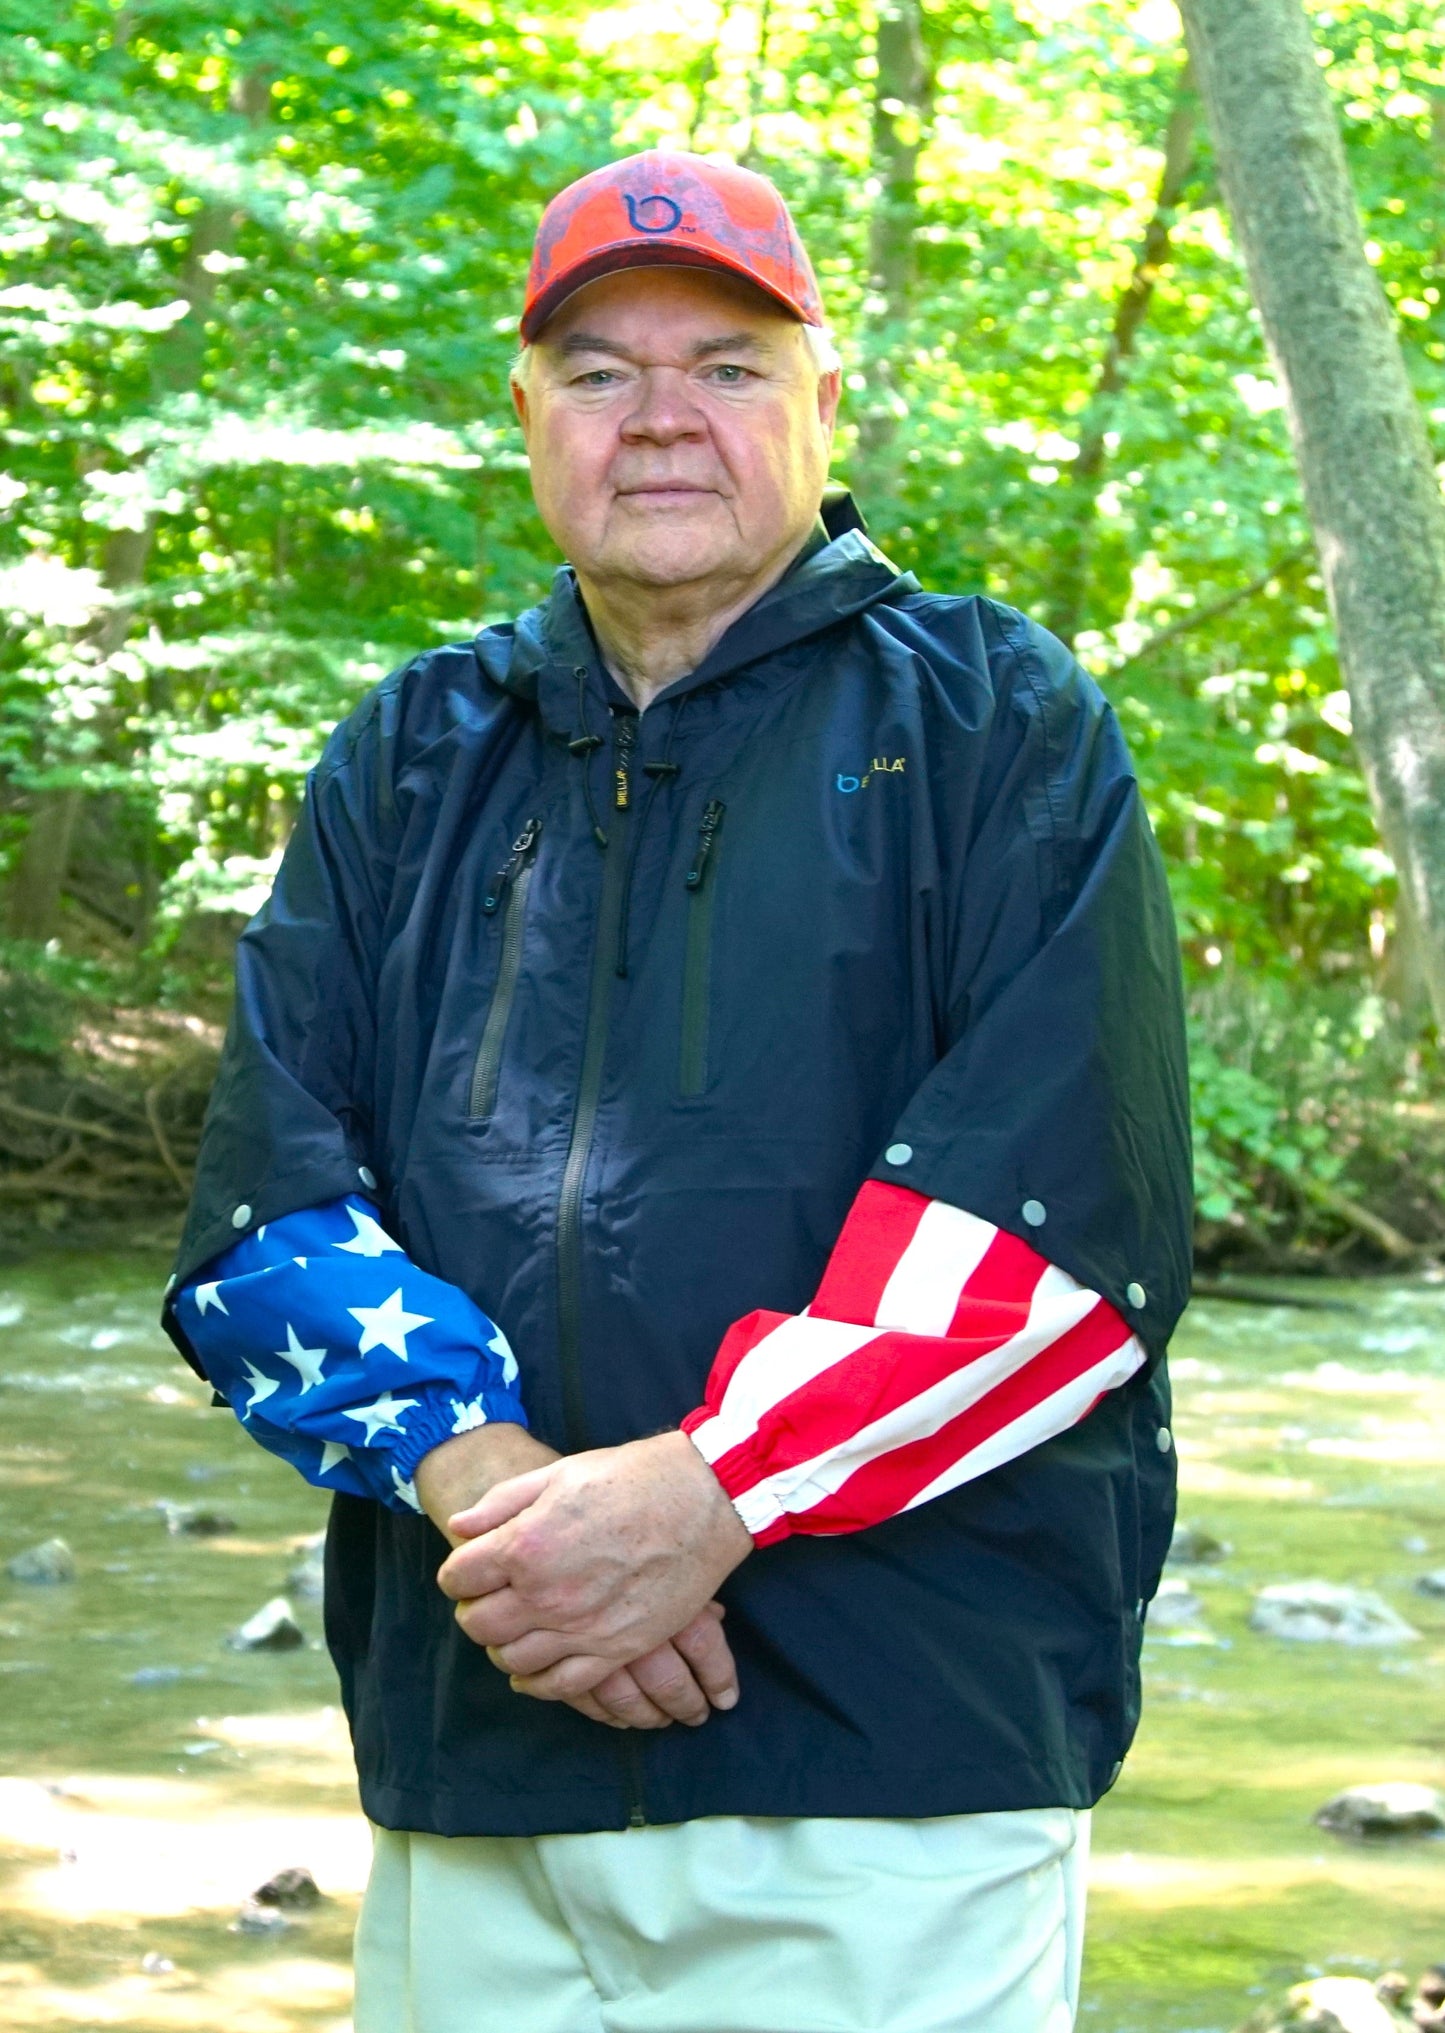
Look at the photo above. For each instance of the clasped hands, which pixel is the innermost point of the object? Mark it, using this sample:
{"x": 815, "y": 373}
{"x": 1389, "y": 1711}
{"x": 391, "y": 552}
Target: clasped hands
{"x": 591, "y": 1579}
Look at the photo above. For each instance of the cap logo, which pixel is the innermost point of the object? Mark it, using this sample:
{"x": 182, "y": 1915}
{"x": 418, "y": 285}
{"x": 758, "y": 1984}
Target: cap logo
{"x": 655, "y": 214}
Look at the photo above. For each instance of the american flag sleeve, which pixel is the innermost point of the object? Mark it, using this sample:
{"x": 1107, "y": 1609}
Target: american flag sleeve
{"x": 338, "y": 1353}
{"x": 937, "y": 1347}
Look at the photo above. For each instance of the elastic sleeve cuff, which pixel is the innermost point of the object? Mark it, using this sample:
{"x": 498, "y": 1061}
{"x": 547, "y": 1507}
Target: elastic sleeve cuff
{"x": 741, "y": 1476}
{"x": 443, "y": 1413}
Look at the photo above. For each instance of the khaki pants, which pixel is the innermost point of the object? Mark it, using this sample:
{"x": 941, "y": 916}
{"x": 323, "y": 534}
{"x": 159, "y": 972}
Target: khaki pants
{"x": 965, "y": 1924}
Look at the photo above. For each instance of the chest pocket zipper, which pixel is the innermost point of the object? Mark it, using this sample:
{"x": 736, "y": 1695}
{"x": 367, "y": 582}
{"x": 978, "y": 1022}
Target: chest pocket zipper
{"x": 509, "y": 886}
{"x": 697, "y": 960}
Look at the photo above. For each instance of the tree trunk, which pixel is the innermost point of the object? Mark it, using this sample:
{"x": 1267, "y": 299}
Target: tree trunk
{"x": 902, "y": 107}
{"x": 1086, "y": 476}
{"x": 751, "y": 156}
{"x": 1365, "y": 462}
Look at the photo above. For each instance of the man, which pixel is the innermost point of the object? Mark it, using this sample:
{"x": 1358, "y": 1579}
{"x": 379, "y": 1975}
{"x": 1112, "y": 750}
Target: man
{"x": 749, "y": 981}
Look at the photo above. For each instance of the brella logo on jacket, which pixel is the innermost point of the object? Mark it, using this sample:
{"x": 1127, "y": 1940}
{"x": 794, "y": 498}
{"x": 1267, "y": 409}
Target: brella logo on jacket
{"x": 881, "y": 765}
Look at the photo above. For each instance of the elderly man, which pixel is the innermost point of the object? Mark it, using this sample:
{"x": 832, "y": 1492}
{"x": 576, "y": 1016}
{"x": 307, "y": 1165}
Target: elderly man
{"x": 703, "y": 1133}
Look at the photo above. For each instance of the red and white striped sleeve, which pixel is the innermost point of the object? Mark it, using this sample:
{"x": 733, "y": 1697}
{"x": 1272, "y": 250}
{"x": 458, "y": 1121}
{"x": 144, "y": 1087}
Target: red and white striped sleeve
{"x": 937, "y": 1347}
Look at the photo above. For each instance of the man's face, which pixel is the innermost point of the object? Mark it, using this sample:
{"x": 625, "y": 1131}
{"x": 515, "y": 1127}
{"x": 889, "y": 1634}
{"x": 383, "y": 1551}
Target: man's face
{"x": 678, "y": 429}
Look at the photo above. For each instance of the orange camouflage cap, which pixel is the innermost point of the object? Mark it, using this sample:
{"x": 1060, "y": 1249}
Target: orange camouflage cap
{"x": 665, "y": 207}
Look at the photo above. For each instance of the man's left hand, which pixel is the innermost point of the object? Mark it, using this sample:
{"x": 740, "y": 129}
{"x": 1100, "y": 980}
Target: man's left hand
{"x": 592, "y": 1561}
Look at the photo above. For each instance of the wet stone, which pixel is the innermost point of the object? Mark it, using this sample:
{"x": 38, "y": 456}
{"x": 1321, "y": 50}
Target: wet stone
{"x": 46, "y": 1565}
{"x": 1325, "y": 1612}
{"x": 272, "y": 1629}
{"x": 254, "y": 1919}
{"x": 1175, "y": 1606}
{"x": 308, "y": 1577}
{"x": 293, "y": 1889}
{"x": 1385, "y": 1813}
{"x": 1192, "y": 1546}
{"x": 191, "y": 1521}
{"x": 1327, "y": 2005}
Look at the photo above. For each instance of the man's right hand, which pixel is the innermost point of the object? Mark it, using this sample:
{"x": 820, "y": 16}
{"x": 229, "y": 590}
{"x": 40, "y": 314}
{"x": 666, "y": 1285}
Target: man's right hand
{"x": 680, "y": 1681}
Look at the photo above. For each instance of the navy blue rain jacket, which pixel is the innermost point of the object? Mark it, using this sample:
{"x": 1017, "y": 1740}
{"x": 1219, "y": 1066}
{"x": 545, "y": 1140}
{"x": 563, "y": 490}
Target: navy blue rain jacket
{"x": 621, "y": 1103}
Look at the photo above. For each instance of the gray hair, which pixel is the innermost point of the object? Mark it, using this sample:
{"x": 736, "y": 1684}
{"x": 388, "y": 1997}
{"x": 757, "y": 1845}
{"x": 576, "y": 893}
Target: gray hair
{"x": 817, "y": 338}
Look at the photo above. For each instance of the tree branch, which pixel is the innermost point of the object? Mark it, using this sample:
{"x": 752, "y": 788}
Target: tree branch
{"x": 1200, "y": 617}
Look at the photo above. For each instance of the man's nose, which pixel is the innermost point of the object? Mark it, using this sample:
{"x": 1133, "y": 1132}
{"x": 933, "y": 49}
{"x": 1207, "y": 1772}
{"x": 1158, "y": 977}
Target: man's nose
{"x": 665, "y": 408}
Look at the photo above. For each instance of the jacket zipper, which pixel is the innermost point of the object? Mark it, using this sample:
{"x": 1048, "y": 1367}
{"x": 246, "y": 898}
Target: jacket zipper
{"x": 514, "y": 876}
{"x": 697, "y": 967}
{"x": 579, "y": 1149}
{"x": 589, "y": 1088}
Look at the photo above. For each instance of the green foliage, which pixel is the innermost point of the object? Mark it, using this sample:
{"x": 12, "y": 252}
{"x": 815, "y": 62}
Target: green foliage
{"x": 261, "y": 274}
{"x": 44, "y": 996}
{"x": 1303, "y": 1095}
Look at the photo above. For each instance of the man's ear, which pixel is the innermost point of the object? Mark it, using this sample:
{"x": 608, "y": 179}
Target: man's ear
{"x": 830, "y": 390}
{"x": 519, "y": 403}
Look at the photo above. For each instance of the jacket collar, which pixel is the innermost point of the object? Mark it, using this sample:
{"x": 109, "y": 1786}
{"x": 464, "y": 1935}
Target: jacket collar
{"x": 826, "y": 583}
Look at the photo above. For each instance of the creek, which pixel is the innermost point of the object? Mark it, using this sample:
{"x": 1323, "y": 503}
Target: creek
{"x": 150, "y": 1779}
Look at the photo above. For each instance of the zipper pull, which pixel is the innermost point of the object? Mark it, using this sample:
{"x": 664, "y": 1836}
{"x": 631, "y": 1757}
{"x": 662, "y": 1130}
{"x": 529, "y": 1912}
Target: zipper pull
{"x": 626, "y": 736}
{"x": 712, "y": 818}
{"x": 522, "y": 849}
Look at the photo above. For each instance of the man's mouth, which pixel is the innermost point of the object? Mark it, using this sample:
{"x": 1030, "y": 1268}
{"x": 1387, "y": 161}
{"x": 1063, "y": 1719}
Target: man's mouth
{"x": 655, "y": 488}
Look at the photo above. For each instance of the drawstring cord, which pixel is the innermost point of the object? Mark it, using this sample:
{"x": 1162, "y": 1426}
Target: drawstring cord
{"x": 585, "y": 747}
{"x": 659, "y": 773}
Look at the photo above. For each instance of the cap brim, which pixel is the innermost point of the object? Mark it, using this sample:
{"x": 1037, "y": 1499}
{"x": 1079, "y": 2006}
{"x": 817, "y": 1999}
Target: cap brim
{"x": 642, "y": 254}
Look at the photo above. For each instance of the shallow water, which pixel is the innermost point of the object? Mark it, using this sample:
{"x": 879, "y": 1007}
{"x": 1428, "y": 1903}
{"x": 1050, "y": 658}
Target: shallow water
{"x": 149, "y": 1779}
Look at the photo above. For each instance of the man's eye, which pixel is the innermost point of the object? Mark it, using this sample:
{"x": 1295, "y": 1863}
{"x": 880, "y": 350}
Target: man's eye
{"x": 730, "y": 375}
{"x": 596, "y": 377}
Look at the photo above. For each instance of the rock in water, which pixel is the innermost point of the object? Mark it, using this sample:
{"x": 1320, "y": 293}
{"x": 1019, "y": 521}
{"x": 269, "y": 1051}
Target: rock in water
{"x": 1315, "y": 1612}
{"x": 190, "y": 1521}
{"x": 1378, "y": 1813}
{"x": 1327, "y": 2005}
{"x": 308, "y": 1577}
{"x": 45, "y": 1564}
{"x": 254, "y": 1919}
{"x": 272, "y": 1629}
{"x": 294, "y": 1888}
{"x": 1192, "y": 1546}
{"x": 1432, "y": 1583}
{"x": 1175, "y": 1606}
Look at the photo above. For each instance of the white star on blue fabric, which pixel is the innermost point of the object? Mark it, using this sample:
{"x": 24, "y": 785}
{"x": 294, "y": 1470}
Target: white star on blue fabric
{"x": 405, "y": 1490}
{"x": 387, "y": 1325}
{"x": 467, "y": 1416}
{"x": 370, "y": 1239}
{"x": 262, "y": 1387}
{"x": 382, "y": 1416}
{"x": 333, "y": 1454}
{"x": 210, "y": 1295}
{"x": 502, "y": 1349}
{"x": 305, "y": 1361}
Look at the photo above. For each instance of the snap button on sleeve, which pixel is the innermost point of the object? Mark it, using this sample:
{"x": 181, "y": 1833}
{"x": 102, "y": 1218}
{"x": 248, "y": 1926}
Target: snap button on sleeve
{"x": 1034, "y": 1213}
{"x": 1135, "y": 1294}
{"x": 242, "y": 1215}
{"x": 366, "y": 1175}
{"x": 898, "y": 1154}
{"x": 1164, "y": 1440}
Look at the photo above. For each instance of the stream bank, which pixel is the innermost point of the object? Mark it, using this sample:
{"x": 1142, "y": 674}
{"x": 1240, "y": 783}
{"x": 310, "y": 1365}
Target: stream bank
{"x": 152, "y": 1779}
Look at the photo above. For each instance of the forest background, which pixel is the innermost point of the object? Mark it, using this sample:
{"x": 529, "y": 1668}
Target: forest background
{"x": 260, "y": 269}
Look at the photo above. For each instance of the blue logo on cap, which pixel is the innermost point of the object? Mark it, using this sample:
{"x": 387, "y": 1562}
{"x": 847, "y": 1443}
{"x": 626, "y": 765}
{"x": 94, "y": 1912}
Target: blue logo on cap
{"x": 668, "y": 222}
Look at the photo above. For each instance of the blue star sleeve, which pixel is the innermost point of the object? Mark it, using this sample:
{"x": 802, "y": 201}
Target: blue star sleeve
{"x": 337, "y": 1353}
